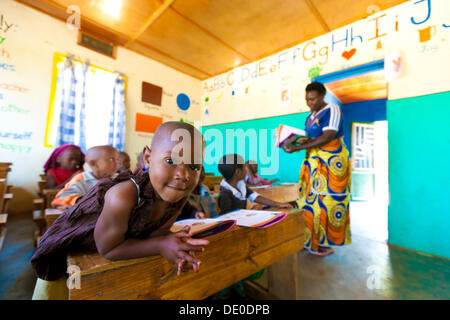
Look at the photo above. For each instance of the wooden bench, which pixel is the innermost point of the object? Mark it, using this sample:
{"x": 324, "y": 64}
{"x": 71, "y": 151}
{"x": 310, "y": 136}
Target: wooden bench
{"x": 230, "y": 257}
{"x": 51, "y": 215}
{"x": 3, "y": 220}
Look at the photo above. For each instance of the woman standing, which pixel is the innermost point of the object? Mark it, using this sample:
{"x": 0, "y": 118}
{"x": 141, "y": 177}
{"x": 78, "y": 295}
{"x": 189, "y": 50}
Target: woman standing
{"x": 324, "y": 183}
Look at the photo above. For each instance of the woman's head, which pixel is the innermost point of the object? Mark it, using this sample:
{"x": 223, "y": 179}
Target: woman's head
{"x": 231, "y": 166}
{"x": 315, "y": 93}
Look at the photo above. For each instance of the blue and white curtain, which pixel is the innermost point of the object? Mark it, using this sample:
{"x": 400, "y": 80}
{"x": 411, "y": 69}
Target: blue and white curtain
{"x": 72, "y": 83}
{"x": 117, "y": 117}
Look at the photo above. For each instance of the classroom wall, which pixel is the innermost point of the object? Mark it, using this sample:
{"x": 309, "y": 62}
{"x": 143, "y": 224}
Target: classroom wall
{"x": 255, "y": 140}
{"x": 418, "y": 32}
{"x": 28, "y": 41}
{"x": 418, "y": 175}
{"x": 275, "y": 85}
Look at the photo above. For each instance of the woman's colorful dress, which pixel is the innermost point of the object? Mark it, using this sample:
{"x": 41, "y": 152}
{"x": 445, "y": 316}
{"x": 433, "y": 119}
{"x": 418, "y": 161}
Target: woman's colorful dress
{"x": 324, "y": 184}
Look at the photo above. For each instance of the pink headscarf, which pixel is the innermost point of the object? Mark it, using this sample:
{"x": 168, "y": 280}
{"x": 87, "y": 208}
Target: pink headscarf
{"x": 51, "y": 162}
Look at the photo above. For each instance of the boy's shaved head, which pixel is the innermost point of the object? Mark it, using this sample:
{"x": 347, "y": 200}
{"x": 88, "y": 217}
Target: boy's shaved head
{"x": 174, "y": 160}
{"x": 97, "y": 152}
{"x": 167, "y": 129}
{"x": 102, "y": 160}
{"x": 184, "y": 135}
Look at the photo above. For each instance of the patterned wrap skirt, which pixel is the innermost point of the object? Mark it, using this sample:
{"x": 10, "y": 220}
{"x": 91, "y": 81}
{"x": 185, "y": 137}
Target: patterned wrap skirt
{"x": 324, "y": 195}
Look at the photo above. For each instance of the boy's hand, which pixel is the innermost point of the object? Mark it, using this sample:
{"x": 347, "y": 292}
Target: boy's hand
{"x": 174, "y": 248}
{"x": 200, "y": 215}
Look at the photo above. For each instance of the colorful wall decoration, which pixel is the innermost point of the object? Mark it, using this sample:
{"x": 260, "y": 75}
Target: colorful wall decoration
{"x": 415, "y": 32}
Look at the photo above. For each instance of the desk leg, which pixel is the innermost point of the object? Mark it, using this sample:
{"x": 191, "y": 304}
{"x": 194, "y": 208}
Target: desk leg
{"x": 283, "y": 278}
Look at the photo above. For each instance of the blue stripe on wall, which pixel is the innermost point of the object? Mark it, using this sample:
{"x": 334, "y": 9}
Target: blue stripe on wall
{"x": 284, "y": 166}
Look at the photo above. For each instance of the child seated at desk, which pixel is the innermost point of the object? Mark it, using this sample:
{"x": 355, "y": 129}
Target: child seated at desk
{"x": 253, "y": 178}
{"x": 129, "y": 217}
{"x": 233, "y": 190}
{"x": 201, "y": 201}
{"x": 103, "y": 161}
{"x": 124, "y": 162}
{"x": 64, "y": 162}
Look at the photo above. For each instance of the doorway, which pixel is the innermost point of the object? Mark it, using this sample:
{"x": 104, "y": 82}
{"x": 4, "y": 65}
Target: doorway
{"x": 361, "y": 93}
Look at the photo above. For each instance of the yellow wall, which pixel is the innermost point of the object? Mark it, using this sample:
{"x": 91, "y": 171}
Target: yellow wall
{"x": 258, "y": 86}
{"x": 28, "y": 41}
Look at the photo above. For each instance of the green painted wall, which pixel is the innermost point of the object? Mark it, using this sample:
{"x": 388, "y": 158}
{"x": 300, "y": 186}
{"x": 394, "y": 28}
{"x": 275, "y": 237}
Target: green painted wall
{"x": 288, "y": 167}
{"x": 419, "y": 153}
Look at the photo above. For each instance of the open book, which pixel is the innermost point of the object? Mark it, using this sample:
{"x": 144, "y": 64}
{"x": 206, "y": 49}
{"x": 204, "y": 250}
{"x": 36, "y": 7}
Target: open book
{"x": 287, "y": 135}
{"x": 203, "y": 228}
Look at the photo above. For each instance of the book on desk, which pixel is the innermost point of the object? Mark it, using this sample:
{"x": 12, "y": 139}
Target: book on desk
{"x": 203, "y": 228}
{"x": 289, "y": 136}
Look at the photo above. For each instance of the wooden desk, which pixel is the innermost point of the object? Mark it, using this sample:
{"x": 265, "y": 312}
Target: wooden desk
{"x": 212, "y": 181}
{"x": 230, "y": 257}
{"x": 51, "y": 215}
{"x": 49, "y": 195}
{"x": 280, "y": 193}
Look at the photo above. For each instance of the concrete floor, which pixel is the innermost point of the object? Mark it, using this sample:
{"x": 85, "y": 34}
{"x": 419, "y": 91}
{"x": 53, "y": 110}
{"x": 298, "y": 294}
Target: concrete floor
{"x": 366, "y": 269}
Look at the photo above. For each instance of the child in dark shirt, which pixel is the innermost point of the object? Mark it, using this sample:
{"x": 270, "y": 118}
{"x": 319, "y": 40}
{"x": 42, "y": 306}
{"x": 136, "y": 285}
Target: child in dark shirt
{"x": 130, "y": 216}
{"x": 233, "y": 190}
{"x": 123, "y": 162}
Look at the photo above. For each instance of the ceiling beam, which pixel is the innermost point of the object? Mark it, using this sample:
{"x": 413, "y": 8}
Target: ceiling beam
{"x": 318, "y": 16}
{"x": 155, "y": 15}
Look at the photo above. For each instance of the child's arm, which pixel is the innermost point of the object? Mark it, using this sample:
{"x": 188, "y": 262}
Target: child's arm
{"x": 112, "y": 225}
{"x": 50, "y": 181}
{"x": 268, "y": 202}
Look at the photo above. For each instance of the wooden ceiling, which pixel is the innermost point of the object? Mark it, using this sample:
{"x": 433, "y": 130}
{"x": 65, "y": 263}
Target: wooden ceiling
{"x": 204, "y": 38}
{"x": 368, "y": 86}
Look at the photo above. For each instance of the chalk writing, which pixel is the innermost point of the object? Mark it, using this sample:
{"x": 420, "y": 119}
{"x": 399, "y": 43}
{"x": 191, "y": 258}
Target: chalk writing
{"x": 19, "y": 136}
{"x": 377, "y": 34}
{"x": 2, "y": 39}
{"x": 4, "y": 53}
{"x": 429, "y": 49}
{"x": 4, "y": 26}
{"x": 142, "y": 135}
{"x": 13, "y": 108}
{"x": 15, "y": 147}
{"x": 428, "y": 12}
{"x": 446, "y": 25}
{"x": 1, "y": 96}
{"x": 13, "y": 87}
{"x": 166, "y": 116}
{"x": 7, "y": 67}
{"x": 150, "y": 107}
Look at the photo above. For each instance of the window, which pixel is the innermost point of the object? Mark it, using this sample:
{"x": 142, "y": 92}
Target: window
{"x": 94, "y": 100}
